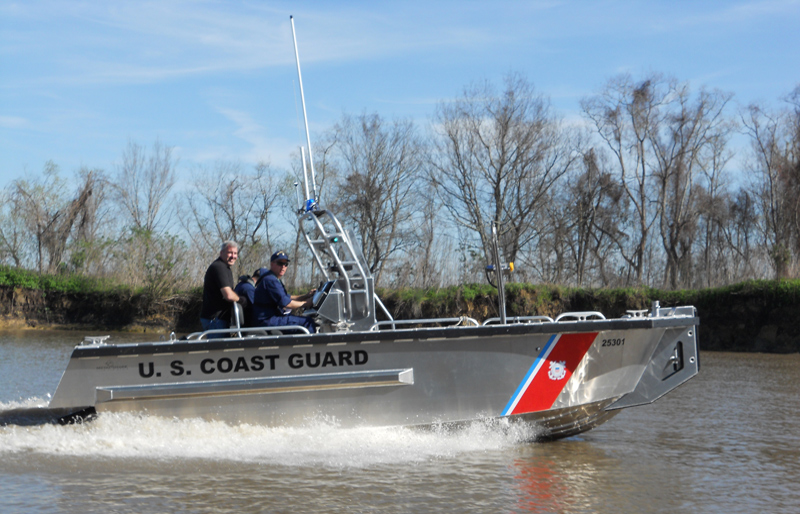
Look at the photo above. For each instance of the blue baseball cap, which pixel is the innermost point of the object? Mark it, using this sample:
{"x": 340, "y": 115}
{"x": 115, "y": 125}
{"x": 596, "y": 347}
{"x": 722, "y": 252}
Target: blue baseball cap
{"x": 279, "y": 255}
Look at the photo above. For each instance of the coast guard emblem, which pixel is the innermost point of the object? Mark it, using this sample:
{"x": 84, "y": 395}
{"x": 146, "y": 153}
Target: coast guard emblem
{"x": 558, "y": 370}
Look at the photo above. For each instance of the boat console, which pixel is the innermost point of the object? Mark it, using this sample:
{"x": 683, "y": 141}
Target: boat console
{"x": 330, "y": 308}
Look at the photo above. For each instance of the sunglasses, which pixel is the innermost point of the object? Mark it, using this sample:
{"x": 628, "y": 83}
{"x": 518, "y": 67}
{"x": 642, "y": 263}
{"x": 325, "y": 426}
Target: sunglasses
{"x": 281, "y": 263}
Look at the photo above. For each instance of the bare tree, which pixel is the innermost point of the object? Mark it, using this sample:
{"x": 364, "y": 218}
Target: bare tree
{"x": 774, "y": 181}
{"x": 142, "y": 186}
{"x": 39, "y": 202}
{"x": 689, "y": 139}
{"x": 496, "y": 158}
{"x": 146, "y": 256}
{"x": 626, "y": 114}
{"x": 717, "y": 262}
{"x": 593, "y": 208}
{"x": 380, "y": 168}
{"x": 88, "y": 245}
{"x": 230, "y": 203}
{"x": 430, "y": 251}
{"x": 50, "y": 214}
{"x": 740, "y": 232}
{"x": 14, "y": 241}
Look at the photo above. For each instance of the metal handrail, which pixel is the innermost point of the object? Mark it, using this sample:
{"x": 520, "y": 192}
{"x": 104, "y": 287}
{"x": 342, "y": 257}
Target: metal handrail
{"x": 201, "y": 335}
{"x": 383, "y": 307}
{"x": 95, "y": 340}
{"x": 519, "y": 319}
{"x": 472, "y": 321}
{"x": 580, "y": 316}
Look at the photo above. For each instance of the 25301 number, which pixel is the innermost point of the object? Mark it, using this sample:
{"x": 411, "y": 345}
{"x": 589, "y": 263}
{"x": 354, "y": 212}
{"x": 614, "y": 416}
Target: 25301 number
{"x": 613, "y": 342}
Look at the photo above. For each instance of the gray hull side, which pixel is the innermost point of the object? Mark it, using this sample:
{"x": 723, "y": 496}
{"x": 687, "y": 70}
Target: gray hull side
{"x": 415, "y": 377}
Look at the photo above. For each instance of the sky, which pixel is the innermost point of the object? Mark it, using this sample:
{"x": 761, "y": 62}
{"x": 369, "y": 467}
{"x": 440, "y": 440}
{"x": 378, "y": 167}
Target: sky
{"x": 217, "y": 80}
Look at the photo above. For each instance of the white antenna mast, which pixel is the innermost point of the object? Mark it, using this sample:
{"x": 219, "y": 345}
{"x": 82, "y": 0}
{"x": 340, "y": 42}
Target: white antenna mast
{"x": 305, "y": 120}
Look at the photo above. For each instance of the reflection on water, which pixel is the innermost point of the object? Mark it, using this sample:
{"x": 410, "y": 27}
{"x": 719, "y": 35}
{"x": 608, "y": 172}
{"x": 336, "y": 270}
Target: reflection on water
{"x": 724, "y": 442}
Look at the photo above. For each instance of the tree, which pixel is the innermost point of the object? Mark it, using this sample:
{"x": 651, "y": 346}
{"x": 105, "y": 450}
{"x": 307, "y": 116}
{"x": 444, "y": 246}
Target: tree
{"x": 89, "y": 241}
{"x": 228, "y": 203}
{"x": 141, "y": 189}
{"x": 143, "y": 184}
{"x": 496, "y": 158}
{"x": 594, "y": 208}
{"x": 691, "y": 137}
{"x": 714, "y": 218}
{"x": 775, "y": 180}
{"x": 49, "y": 214}
{"x": 14, "y": 240}
{"x": 625, "y": 114}
{"x": 380, "y": 167}
{"x": 740, "y": 231}
{"x": 156, "y": 263}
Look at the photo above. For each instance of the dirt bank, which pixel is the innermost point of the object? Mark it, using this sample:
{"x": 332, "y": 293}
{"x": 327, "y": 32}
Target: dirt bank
{"x": 756, "y": 317}
{"x": 28, "y": 308}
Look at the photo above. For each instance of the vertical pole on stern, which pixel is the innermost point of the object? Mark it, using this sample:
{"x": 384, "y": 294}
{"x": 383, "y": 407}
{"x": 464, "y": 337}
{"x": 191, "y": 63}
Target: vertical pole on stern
{"x": 501, "y": 292}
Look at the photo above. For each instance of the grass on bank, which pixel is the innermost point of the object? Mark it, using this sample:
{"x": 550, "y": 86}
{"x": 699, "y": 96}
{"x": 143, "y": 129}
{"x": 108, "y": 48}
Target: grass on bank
{"x": 477, "y": 300}
{"x": 757, "y": 315}
{"x": 63, "y": 283}
{"x": 480, "y": 300}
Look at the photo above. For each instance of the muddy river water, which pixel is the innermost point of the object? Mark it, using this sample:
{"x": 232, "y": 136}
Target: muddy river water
{"x": 728, "y": 442}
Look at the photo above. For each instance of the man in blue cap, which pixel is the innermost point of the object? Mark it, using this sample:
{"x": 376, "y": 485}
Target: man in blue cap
{"x": 273, "y": 305}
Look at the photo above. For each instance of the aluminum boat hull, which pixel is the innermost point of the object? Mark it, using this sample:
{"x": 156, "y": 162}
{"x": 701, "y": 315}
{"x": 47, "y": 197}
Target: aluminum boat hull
{"x": 564, "y": 377}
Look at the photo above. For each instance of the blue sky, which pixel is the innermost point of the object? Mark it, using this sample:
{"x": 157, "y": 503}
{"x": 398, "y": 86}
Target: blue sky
{"x": 216, "y": 80}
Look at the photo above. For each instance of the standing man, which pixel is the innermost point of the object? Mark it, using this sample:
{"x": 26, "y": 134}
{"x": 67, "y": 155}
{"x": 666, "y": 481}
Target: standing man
{"x": 218, "y": 294}
{"x": 273, "y": 304}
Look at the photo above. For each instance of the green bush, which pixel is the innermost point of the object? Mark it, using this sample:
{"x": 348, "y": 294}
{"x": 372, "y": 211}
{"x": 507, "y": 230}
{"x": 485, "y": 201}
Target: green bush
{"x": 69, "y": 283}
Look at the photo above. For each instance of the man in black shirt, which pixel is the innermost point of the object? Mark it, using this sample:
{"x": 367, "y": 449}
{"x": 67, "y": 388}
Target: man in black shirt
{"x": 218, "y": 294}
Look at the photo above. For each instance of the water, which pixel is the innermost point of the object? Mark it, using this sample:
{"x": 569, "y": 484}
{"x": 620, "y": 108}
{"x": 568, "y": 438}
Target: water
{"x": 726, "y": 442}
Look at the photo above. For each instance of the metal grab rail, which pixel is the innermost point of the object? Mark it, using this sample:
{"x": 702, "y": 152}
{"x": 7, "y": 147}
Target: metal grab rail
{"x": 457, "y": 321}
{"x": 94, "y": 340}
{"x": 380, "y": 304}
{"x": 520, "y": 319}
{"x": 280, "y": 329}
{"x": 580, "y": 316}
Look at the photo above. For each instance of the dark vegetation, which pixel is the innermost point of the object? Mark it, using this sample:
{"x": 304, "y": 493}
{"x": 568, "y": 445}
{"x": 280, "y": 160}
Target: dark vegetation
{"x": 753, "y": 316}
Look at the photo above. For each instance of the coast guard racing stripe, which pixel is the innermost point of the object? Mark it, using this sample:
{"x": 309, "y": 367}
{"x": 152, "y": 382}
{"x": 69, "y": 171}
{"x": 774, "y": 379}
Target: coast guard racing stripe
{"x": 549, "y": 373}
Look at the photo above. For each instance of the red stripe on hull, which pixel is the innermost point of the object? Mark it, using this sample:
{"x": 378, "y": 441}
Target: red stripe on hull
{"x": 555, "y": 372}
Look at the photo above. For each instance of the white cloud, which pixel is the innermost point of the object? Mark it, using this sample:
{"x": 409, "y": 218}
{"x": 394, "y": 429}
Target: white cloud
{"x": 14, "y": 122}
{"x": 135, "y": 42}
{"x": 723, "y": 14}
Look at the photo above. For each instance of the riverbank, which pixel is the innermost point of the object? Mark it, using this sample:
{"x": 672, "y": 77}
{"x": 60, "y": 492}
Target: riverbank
{"x": 753, "y": 316}
{"x": 756, "y": 316}
{"x": 24, "y": 308}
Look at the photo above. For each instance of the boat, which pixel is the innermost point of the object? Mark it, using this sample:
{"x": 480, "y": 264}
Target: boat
{"x": 562, "y": 376}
